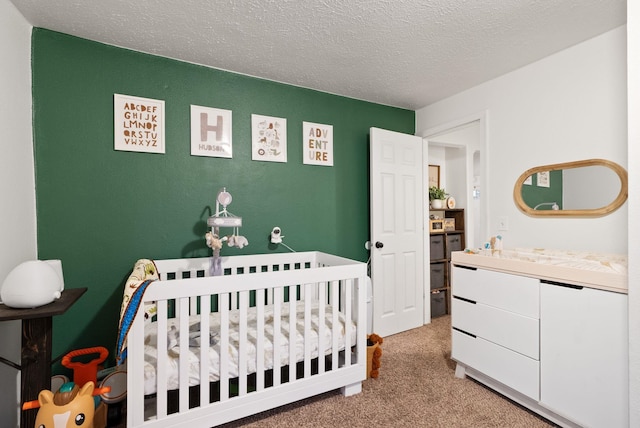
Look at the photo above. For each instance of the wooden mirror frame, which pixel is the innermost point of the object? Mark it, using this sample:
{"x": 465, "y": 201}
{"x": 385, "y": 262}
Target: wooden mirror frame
{"x": 597, "y": 212}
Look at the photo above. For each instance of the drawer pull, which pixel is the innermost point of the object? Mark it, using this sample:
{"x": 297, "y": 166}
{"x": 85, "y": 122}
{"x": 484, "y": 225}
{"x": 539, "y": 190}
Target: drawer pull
{"x": 465, "y": 300}
{"x": 465, "y": 267}
{"x": 464, "y": 332}
{"x": 562, "y": 284}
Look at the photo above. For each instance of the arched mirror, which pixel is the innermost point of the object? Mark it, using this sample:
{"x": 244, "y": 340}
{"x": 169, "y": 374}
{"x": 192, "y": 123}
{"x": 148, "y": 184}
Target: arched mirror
{"x": 587, "y": 188}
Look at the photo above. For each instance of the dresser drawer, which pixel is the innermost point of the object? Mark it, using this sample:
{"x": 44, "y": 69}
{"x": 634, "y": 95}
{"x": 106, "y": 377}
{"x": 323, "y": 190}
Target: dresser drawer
{"x": 508, "y": 329}
{"x": 508, "y": 367}
{"x": 512, "y": 293}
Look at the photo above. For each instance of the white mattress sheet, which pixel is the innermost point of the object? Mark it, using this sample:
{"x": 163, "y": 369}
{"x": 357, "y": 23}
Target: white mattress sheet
{"x": 233, "y": 348}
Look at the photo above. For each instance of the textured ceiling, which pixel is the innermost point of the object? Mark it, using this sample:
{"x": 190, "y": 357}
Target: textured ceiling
{"x": 405, "y": 53}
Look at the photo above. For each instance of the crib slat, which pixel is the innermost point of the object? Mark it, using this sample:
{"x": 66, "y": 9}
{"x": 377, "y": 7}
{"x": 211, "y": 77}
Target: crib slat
{"x": 223, "y": 306}
{"x": 205, "y": 348}
{"x": 277, "y": 334}
{"x": 242, "y": 346}
{"x": 307, "y": 330}
{"x": 293, "y": 333}
{"x": 347, "y": 289}
{"x": 260, "y": 340}
{"x": 161, "y": 370}
{"x": 184, "y": 354}
{"x": 335, "y": 327}
{"x": 322, "y": 326}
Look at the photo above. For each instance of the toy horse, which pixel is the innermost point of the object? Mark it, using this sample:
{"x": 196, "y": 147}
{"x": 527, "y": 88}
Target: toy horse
{"x": 72, "y": 406}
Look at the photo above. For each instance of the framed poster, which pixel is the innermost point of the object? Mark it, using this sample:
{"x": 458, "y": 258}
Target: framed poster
{"x": 543, "y": 179}
{"x": 268, "y": 138}
{"x": 138, "y": 124}
{"x": 211, "y": 132}
{"x": 434, "y": 176}
{"x": 317, "y": 144}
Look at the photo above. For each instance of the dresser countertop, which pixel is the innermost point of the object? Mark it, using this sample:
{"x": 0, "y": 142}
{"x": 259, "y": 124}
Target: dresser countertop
{"x": 593, "y": 270}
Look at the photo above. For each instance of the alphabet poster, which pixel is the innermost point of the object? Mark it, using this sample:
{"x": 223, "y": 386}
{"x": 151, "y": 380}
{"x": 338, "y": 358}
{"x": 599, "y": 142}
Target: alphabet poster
{"x": 317, "y": 144}
{"x": 138, "y": 124}
{"x": 268, "y": 138}
{"x": 211, "y": 132}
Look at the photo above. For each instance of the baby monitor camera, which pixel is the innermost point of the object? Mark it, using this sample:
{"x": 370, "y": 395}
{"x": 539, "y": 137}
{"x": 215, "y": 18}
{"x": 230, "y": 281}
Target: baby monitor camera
{"x": 276, "y": 236}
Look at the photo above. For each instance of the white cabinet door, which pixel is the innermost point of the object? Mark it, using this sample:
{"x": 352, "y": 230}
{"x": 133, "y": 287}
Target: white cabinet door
{"x": 584, "y": 355}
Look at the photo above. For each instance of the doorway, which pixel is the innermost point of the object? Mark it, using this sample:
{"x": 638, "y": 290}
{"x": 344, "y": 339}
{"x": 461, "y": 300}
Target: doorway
{"x": 459, "y": 148}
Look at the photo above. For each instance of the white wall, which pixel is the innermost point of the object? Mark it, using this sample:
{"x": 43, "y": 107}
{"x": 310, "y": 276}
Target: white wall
{"x": 633, "y": 89}
{"x": 17, "y": 188}
{"x": 568, "y": 106}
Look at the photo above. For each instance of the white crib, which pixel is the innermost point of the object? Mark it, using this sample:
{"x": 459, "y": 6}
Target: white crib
{"x": 249, "y": 309}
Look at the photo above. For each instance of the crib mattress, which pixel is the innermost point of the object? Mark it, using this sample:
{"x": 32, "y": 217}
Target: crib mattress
{"x": 151, "y": 350}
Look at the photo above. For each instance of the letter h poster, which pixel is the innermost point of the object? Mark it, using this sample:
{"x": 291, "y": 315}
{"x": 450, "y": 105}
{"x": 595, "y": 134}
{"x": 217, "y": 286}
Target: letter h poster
{"x": 138, "y": 124}
{"x": 211, "y": 132}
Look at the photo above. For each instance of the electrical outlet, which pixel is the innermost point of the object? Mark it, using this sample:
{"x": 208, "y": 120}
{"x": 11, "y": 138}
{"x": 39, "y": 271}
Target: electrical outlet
{"x": 503, "y": 223}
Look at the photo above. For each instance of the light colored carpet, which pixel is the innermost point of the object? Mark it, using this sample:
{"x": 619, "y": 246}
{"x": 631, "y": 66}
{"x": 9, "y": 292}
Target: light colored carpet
{"x": 416, "y": 387}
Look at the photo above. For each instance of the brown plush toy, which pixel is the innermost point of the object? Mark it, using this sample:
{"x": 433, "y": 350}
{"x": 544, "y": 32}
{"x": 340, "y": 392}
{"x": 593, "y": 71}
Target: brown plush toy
{"x": 374, "y": 341}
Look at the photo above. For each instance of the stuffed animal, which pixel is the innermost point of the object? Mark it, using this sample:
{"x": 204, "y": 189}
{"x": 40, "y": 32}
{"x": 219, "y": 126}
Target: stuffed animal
{"x": 237, "y": 241}
{"x": 372, "y": 341}
{"x": 213, "y": 241}
{"x": 241, "y": 241}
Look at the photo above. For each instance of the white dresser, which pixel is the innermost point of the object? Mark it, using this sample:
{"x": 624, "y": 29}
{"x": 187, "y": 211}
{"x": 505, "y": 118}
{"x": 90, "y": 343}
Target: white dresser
{"x": 555, "y": 346}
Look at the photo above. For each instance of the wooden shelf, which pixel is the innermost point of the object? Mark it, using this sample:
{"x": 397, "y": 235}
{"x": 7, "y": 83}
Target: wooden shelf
{"x": 35, "y": 364}
{"x": 57, "y": 307}
{"x": 446, "y": 241}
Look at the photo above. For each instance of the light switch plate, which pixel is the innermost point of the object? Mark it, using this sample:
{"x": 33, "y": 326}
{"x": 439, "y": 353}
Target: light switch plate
{"x": 503, "y": 223}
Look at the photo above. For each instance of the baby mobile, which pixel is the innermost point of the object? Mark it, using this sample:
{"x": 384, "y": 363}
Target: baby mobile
{"x": 223, "y": 218}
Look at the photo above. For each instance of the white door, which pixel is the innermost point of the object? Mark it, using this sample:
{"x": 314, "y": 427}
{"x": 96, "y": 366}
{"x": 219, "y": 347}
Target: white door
{"x": 396, "y": 231}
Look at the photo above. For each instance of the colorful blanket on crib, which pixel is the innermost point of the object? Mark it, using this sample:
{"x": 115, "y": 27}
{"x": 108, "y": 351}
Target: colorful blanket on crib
{"x": 143, "y": 274}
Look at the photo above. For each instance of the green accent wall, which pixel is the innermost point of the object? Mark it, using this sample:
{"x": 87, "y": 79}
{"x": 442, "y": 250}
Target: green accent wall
{"x": 100, "y": 210}
{"x": 534, "y": 195}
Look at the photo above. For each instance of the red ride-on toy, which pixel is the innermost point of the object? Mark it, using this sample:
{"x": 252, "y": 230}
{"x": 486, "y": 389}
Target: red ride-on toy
{"x": 84, "y": 372}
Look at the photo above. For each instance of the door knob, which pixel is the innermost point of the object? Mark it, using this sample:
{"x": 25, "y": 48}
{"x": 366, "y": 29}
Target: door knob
{"x": 379, "y": 244}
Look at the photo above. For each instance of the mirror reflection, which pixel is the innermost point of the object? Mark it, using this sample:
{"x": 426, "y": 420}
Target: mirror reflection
{"x": 592, "y": 187}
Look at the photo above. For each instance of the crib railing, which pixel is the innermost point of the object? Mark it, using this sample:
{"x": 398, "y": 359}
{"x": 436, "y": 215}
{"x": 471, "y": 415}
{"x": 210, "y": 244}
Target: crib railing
{"x": 289, "y": 287}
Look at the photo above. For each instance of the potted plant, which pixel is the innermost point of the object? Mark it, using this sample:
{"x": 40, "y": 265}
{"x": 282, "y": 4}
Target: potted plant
{"x": 437, "y": 197}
